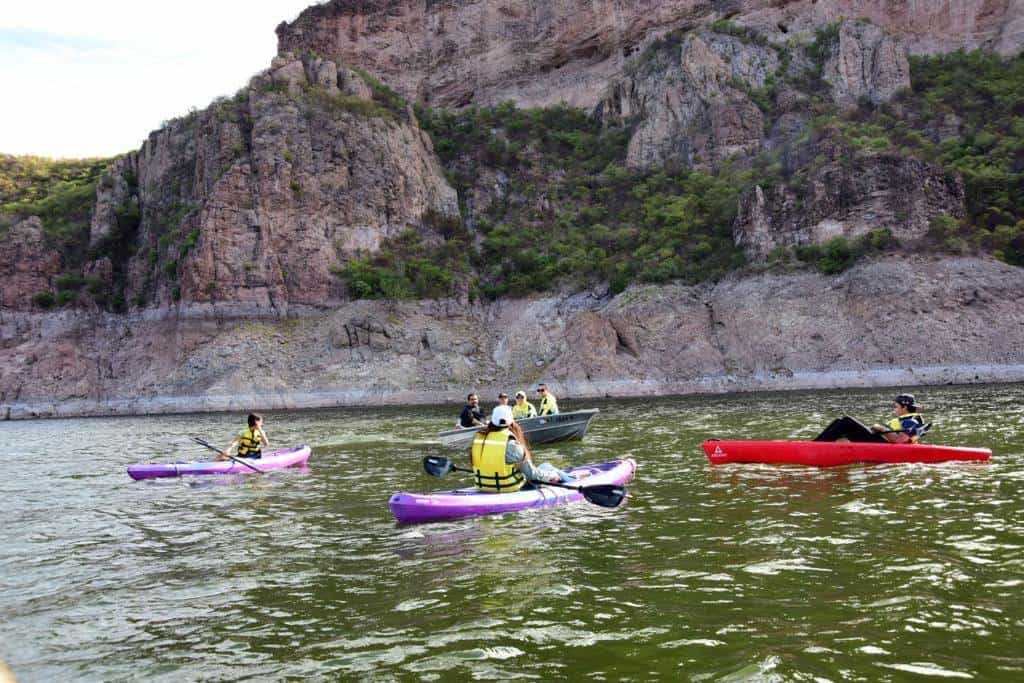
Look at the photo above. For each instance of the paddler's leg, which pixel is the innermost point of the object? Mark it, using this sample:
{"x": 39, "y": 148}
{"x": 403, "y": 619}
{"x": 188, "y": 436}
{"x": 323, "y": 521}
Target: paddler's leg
{"x": 847, "y": 427}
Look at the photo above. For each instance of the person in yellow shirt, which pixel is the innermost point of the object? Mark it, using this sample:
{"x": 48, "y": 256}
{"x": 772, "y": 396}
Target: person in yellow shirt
{"x": 523, "y": 409}
{"x": 250, "y": 441}
{"x": 548, "y": 402}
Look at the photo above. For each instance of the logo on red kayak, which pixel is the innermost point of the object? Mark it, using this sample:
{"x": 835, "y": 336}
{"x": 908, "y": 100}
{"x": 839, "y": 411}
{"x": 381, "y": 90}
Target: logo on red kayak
{"x": 719, "y": 453}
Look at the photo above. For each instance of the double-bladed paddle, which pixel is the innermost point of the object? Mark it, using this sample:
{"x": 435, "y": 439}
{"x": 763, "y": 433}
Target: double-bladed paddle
{"x": 605, "y": 495}
{"x": 231, "y": 457}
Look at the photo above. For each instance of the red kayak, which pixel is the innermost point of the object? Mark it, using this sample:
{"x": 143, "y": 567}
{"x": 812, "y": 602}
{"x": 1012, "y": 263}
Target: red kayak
{"x": 833, "y": 453}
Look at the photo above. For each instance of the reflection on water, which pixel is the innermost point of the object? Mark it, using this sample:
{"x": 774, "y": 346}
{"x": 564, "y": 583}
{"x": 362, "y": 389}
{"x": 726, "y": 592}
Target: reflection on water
{"x": 730, "y": 573}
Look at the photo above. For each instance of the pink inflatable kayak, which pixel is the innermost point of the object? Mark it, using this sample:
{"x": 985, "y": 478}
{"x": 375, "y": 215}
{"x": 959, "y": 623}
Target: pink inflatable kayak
{"x": 429, "y": 507}
{"x": 274, "y": 460}
{"x": 833, "y": 453}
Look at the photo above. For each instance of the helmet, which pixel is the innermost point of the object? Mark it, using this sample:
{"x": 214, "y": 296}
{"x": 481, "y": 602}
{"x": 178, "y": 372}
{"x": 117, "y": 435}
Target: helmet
{"x": 501, "y": 416}
{"x": 905, "y": 400}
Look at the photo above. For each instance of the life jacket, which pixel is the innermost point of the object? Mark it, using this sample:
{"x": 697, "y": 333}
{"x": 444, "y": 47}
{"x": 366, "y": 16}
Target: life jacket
{"x": 249, "y": 441}
{"x": 488, "y": 459}
{"x": 896, "y": 425}
{"x": 548, "y": 405}
{"x": 526, "y": 410}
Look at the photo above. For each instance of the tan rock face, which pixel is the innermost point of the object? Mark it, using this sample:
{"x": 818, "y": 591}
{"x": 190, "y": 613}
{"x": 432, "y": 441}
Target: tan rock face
{"x": 647, "y": 340}
{"x": 256, "y": 199}
{"x": 927, "y": 26}
{"x": 868, "y": 64}
{"x": 689, "y": 102}
{"x": 27, "y": 265}
{"x": 535, "y": 54}
{"x": 486, "y": 52}
{"x": 848, "y": 200}
{"x": 112, "y": 192}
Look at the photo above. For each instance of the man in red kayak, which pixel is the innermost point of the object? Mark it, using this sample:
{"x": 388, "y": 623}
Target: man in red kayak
{"x": 907, "y": 427}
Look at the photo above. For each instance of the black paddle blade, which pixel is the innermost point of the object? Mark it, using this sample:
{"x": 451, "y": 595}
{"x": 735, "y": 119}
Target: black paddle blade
{"x": 436, "y": 465}
{"x": 605, "y": 495}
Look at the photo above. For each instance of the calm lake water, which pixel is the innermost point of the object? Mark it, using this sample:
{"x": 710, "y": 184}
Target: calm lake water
{"x": 729, "y": 573}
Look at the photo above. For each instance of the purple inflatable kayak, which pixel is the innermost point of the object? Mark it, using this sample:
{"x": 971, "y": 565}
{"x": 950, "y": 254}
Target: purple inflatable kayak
{"x": 274, "y": 460}
{"x": 429, "y": 507}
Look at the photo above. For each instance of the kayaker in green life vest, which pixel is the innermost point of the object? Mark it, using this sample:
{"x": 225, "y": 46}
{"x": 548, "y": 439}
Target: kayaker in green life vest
{"x": 250, "y": 441}
{"x": 907, "y": 427}
{"x": 500, "y": 457}
{"x": 548, "y": 402}
{"x": 523, "y": 409}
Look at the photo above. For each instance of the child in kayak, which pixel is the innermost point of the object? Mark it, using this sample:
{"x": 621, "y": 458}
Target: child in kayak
{"x": 250, "y": 441}
{"x": 501, "y": 458}
{"x": 907, "y": 427}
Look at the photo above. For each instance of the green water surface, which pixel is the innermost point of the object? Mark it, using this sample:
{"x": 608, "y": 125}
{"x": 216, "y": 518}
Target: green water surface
{"x": 728, "y": 573}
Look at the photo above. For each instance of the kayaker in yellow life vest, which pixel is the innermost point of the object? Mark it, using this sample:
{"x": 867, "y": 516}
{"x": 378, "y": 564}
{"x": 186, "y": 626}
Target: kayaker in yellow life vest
{"x": 907, "y": 427}
{"x": 500, "y": 457}
{"x": 523, "y": 408}
{"x": 250, "y": 441}
{"x": 548, "y": 402}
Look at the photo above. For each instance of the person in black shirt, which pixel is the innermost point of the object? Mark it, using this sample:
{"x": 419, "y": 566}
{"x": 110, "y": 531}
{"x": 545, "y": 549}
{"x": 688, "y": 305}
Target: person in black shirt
{"x": 471, "y": 415}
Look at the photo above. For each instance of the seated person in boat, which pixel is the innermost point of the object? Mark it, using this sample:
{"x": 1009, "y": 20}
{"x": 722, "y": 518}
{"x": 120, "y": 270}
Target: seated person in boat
{"x": 907, "y": 427}
{"x": 500, "y": 457}
{"x": 250, "y": 441}
{"x": 471, "y": 415}
{"x": 523, "y": 408}
{"x": 548, "y": 402}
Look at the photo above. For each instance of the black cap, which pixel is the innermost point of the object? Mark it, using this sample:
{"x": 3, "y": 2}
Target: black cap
{"x": 906, "y": 400}
{"x": 503, "y": 395}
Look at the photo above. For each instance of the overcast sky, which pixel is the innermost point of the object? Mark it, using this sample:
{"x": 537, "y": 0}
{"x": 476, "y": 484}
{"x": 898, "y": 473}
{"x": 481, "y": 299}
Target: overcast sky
{"x": 93, "y": 78}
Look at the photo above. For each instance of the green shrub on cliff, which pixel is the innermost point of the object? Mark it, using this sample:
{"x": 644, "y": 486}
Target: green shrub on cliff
{"x": 964, "y": 112}
{"x": 61, "y": 192}
{"x": 564, "y": 209}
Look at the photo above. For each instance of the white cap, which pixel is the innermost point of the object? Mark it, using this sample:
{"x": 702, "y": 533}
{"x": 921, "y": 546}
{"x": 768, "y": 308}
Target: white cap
{"x": 501, "y": 416}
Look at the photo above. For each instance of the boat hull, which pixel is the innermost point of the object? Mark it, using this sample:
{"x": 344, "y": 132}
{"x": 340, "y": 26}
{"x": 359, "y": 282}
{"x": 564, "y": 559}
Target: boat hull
{"x": 274, "y": 460}
{"x": 834, "y": 453}
{"x": 431, "y": 507}
{"x": 570, "y": 426}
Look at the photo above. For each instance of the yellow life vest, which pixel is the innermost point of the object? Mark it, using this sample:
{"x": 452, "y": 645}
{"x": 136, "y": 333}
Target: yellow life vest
{"x": 249, "y": 441}
{"x": 896, "y": 424}
{"x": 488, "y": 459}
{"x": 523, "y": 411}
{"x": 549, "y": 404}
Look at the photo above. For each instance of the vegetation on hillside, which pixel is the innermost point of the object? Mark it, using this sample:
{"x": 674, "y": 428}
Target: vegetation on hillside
{"x": 61, "y": 192}
{"x": 965, "y": 112}
{"x": 546, "y": 198}
{"x": 568, "y": 211}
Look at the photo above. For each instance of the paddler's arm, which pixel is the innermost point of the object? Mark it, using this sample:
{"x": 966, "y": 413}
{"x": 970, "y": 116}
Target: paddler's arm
{"x": 890, "y": 435}
{"x": 263, "y": 437}
{"x": 224, "y": 453}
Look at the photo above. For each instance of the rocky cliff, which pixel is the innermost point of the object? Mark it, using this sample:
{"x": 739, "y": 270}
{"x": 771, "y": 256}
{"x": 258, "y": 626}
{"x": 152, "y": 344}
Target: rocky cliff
{"x": 255, "y": 199}
{"x": 660, "y": 238}
{"x": 458, "y": 52}
{"x": 772, "y": 331}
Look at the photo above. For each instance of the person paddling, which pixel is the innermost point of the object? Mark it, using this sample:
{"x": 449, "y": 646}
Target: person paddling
{"x": 548, "y": 402}
{"x": 523, "y": 409}
{"x": 501, "y": 460}
{"x": 907, "y": 427}
{"x": 250, "y": 441}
